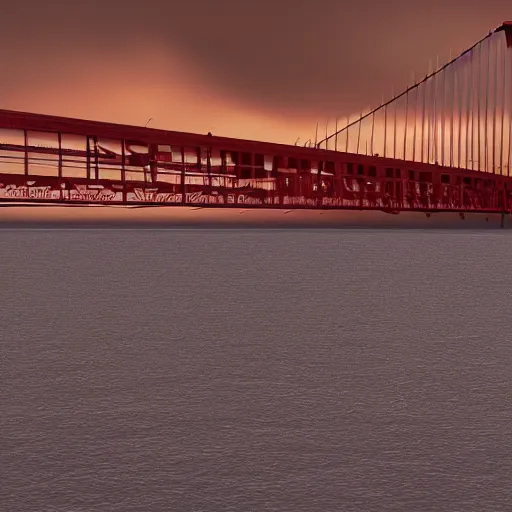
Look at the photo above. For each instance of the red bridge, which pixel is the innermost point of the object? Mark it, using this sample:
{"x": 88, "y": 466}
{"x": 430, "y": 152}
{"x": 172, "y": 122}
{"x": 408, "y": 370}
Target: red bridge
{"x": 442, "y": 145}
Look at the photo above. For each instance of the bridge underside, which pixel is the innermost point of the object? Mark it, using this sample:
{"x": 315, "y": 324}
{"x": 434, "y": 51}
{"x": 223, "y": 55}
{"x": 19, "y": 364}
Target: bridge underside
{"x": 391, "y": 195}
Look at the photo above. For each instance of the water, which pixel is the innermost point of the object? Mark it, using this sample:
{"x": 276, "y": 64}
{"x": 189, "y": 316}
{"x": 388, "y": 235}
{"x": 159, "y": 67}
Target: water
{"x": 207, "y": 370}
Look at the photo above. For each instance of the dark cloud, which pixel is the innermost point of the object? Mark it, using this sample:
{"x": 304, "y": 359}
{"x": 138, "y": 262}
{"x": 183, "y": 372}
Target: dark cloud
{"x": 288, "y": 57}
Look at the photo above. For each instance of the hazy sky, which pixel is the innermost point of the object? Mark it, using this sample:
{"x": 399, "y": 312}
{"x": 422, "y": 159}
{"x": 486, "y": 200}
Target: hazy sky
{"x": 266, "y": 69}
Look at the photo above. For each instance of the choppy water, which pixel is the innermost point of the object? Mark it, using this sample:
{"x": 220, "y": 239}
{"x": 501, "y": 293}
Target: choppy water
{"x": 210, "y": 370}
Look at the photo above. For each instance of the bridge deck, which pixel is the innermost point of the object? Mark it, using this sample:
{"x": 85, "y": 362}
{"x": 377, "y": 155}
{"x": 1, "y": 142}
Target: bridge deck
{"x": 45, "y": 159}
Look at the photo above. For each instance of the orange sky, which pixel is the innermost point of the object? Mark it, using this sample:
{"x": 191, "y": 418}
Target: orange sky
{"x": 254, "y": 70}
{"x": 179, "y": 100}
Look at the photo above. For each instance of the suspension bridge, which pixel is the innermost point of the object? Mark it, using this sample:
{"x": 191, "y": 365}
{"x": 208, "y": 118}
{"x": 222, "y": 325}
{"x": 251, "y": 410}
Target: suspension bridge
{"x": 459, "y": 115}
{"x": 442, "y": 145}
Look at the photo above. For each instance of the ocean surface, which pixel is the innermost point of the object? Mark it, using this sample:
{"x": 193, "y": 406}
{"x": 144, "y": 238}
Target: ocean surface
{"x": 255, "y": 370}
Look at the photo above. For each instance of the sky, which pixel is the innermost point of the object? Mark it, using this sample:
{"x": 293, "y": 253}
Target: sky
{"x": 267, "y": 69}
